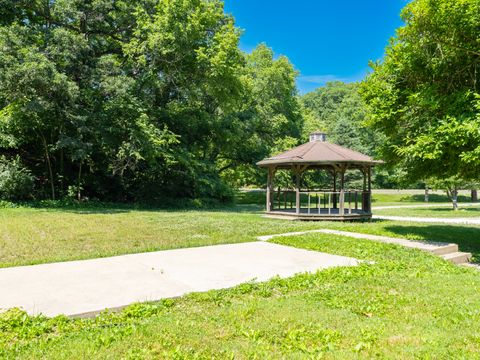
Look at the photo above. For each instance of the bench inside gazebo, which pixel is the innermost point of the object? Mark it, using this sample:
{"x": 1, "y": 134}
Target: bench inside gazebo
{"x": 335, "y": 203}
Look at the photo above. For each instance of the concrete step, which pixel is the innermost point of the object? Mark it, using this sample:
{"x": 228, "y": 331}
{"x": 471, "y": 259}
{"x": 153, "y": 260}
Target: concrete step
{"x": 471, "y": 265}
{"x": 458, "y": 257}
{"x": 445, "y": 249}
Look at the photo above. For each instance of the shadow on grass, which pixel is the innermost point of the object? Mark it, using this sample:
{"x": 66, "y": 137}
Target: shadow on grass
{"x": 119, "y": 208}
{"x": 435, "y": 198}
{"x": 432, "y": 198}
{"x": 467, "y": 238}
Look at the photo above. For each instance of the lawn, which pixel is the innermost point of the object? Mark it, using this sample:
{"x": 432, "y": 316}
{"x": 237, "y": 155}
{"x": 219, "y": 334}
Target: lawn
{"x": 38, "y": 235}
{"x": 407, "y": 304}
{"x": 35, "y": 233}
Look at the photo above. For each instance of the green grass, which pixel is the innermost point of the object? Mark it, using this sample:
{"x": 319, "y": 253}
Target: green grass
{"x": 438, "y": 212}
{"x": 36, "y": 234}
{"x": 407, "y": 304}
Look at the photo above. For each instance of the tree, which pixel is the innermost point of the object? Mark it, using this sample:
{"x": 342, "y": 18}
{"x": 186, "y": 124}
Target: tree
{"x": 270, "y": 117}
{"x": 125, "y": 100}
{"x": 338, "y": 109}
{"x": 423, "y": 96}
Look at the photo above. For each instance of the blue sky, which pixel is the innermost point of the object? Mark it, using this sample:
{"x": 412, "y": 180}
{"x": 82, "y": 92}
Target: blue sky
{"x": 325, "y": 40}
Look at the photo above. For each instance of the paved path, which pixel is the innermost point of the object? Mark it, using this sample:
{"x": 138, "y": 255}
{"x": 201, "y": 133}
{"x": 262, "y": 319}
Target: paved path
{"x": 88, "y": 286}
{"x": 448, "y": 251}
{"x": 464, "y": 221}
{"x": 431, "y": 205}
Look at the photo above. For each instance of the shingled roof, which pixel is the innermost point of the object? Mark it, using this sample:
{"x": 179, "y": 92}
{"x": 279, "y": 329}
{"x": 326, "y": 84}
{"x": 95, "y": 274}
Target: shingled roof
{"x": 318, "y": 152}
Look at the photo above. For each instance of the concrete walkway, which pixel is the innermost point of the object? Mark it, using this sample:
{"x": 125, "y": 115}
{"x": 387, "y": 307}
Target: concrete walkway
{"x": 462, "y": 221}
{"x": 89, "y": 286}
{"x": 447, "y": 251}
{"x": 430, "y": 205}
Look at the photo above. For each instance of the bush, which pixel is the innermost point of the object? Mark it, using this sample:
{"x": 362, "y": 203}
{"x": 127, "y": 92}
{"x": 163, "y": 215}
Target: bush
{"x": 16, "y": 181}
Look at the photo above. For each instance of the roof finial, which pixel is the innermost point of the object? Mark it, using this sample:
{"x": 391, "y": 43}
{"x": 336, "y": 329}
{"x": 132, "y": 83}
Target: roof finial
{"x": 318, "y": 136}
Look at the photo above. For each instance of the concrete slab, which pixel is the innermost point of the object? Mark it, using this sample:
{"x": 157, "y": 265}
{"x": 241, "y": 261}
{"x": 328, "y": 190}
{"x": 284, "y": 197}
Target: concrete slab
{"x": 89, "y": 286}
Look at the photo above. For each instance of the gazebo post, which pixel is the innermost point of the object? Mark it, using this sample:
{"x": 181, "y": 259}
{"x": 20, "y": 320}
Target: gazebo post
{"x": 297, "y": 189}
{"x": 364, "y": 192}
{"x": 334, "y": 173}
{"x": 269, "y": 190}
{"x": 342, "y": 193}
{"x": 271, "y": 174}
{"x": 369, "y": 196}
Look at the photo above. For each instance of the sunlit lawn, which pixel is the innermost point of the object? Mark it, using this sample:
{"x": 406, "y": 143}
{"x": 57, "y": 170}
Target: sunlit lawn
{"x": 402, "y": 303}
{"x": 406, "y": 304}
{"x": 30, "y": 235}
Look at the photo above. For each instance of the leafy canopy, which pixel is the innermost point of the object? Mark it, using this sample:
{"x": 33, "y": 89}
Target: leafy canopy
{"x": 424, "y": 94}
{"x": 125, "y": 100}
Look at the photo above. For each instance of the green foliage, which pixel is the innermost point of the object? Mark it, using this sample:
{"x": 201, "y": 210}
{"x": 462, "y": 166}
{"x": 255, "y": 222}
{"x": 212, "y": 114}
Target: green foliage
{"x": 338, "y": 109}
{"x": 423, "y": 96}
{"x": 137, "y": 100}
{"x": 270, "y": 119}
{"x": 16, "y": 182}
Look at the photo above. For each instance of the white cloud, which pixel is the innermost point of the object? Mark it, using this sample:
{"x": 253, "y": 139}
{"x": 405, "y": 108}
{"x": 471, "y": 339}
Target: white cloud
{"x": 320, "y": 79}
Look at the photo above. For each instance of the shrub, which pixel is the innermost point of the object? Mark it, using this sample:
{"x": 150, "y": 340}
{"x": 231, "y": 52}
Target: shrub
{"x": 16, "y": 181}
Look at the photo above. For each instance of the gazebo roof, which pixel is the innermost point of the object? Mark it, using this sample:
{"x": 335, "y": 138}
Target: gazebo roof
{"x": 318, "y": 152}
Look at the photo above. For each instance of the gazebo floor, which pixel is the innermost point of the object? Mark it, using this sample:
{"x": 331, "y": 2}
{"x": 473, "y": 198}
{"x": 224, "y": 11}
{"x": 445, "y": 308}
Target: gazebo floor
{"x": 315, "y": 215}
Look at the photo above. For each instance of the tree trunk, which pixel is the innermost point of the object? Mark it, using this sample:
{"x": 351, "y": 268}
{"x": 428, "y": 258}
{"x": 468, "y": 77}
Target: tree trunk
{"x": 474, "y": 195}
{"x": 62, "y": 173}
{"x": 426, "y": 194}
{"x": 79, "y": 194}
{"x": 49, "y": 164}
{"x": 454, "y": 199}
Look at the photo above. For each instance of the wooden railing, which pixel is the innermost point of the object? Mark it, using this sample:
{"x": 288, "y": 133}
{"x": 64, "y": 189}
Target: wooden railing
{"x": 284, "y": 199}
{"x": 323, "y": 201}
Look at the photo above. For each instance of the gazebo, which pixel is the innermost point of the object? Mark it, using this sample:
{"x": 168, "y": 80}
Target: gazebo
{"x": 336, "y": 203}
